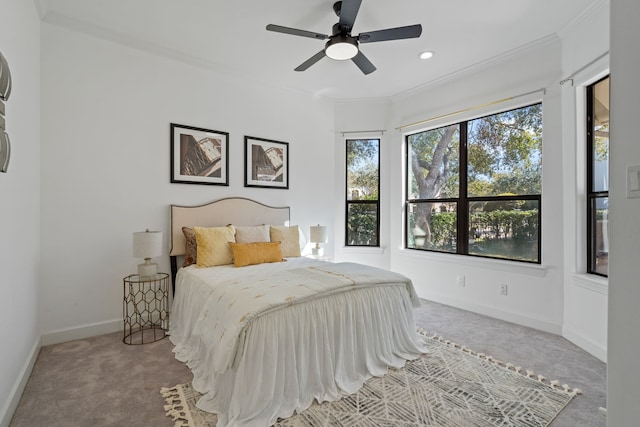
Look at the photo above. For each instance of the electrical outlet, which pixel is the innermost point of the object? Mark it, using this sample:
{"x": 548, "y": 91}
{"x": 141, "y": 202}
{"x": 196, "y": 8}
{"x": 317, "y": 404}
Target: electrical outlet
{"x": 504, "y": 289}
{"x": 461, "y": 280}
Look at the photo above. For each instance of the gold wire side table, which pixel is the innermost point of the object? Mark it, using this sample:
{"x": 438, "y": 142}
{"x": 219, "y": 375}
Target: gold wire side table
{"x": 145, "y": 308}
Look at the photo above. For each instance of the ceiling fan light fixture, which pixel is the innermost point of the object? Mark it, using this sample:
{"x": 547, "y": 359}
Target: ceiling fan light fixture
{"x": 341, "y": 48}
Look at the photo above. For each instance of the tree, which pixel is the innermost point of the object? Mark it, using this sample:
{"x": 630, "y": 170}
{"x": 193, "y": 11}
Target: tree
{"x": 433, "y": 157}
{"x": 503, "y": 156}
{"x": 362, "y": 187}
{"x": 362, "y": 168}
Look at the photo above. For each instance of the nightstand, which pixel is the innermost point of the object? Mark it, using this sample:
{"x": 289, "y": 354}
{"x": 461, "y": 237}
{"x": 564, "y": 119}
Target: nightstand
{"x": 145, "y": 308}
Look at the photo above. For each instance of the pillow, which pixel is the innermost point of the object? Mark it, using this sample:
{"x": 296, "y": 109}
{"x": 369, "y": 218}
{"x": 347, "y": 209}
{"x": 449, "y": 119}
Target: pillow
{"x": 213, "y": 245}
{"x": 190, "y": 246}
{"x": 289, "y": 238}
{"x": 258, "y": 233}
{"x": 255, "y": 253}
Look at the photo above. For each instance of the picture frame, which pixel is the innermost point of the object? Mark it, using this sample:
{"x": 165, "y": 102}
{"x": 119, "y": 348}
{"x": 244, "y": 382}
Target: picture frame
{"x": 266, "y": 163}
{"x": 199, "y": 155}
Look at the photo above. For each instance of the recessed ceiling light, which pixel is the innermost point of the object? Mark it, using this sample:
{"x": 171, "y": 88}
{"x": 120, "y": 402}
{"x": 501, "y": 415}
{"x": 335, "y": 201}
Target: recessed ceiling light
{"x": 426, "y": 54}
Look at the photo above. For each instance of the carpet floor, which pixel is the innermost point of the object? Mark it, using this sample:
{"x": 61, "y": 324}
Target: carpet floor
{"x": 450, "y": 386}
{"x": 99, "y": 381}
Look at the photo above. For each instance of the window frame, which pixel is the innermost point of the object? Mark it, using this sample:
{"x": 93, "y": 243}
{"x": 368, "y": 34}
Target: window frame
{"x": 348, "y": 202}
{"x": 591, "y": 195}
{"x": 463, "y": 201}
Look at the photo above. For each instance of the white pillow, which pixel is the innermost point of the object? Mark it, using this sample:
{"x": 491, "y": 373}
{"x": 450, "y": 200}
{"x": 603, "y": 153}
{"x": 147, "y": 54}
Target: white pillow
{"x": 258, "y": 233}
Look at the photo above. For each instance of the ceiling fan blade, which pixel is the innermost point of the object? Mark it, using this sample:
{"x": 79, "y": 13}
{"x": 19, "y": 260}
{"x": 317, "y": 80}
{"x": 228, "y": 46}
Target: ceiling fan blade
{"x": 309, "y": 62}
{"x": 296, "y": 32}
{"x": 348, "y": 13}
{"x": 363, "y": 63}
{"x": 408, "y": 32}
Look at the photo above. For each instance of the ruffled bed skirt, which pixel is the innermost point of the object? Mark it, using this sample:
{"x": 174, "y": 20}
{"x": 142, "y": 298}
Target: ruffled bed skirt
{"x": 322, "y": 349}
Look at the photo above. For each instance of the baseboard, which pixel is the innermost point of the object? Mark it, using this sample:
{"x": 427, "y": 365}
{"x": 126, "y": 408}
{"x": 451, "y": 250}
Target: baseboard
{"x": 499, "y": 314}
{"x": 21, "y": 382}
{"x": 81, "y": 332}
{"x": 585, "y": 343}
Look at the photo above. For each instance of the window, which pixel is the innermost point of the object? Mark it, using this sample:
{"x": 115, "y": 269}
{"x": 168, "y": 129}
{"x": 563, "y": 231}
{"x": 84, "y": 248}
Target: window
{"x": 598, "y": 177}
{"x": 474, "y": 188}
{"x": 363, "y": 187}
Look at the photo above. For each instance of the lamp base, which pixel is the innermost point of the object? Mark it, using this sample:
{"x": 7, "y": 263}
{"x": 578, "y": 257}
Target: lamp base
{"x": 317, "y": 250}
{"x": 147, "y": 269}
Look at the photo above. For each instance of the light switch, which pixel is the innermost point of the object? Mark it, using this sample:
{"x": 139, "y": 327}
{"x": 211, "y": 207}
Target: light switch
{"x": 633, "y": 181}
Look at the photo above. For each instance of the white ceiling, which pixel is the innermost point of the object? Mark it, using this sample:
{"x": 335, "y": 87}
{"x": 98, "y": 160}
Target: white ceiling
{"x": 229, "y": 36}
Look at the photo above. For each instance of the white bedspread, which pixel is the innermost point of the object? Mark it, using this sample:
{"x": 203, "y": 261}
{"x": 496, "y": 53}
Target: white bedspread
{"x": 264, "y": 341}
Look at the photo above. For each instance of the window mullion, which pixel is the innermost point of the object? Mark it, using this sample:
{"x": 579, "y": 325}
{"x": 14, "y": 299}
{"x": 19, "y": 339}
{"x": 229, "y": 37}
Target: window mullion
{"x": 463, "y": 201}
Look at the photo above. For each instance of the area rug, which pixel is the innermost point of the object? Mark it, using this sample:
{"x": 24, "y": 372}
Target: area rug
{"x": 451, "y": 386}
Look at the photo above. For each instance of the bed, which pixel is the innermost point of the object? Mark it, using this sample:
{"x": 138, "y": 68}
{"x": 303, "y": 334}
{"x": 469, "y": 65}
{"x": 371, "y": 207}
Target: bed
{"x": 265, "y": 340}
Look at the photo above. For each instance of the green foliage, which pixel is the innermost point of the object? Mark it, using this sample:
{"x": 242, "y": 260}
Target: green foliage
{"x": 443, "y": 230}
{"x": 505, "y": 151}
{"x": 362, "y": 225}
{"x": 363, "y": 168}
{"x": 505, "y": 224}
{"x": 436, "y": 169}
{"x": 514, "y": 229}
{"x": 504, "y": 154}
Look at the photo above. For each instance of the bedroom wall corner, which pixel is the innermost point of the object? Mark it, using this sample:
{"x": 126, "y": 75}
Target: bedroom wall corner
{"x": 363, "y": 119}
{"x": 20, "y": 209}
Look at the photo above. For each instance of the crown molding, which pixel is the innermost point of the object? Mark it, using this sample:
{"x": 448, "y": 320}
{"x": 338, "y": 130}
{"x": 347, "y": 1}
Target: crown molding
{"x": 482, "y": 65}
{"x": 592, "y": 9}
{"x": 133, "y": 42}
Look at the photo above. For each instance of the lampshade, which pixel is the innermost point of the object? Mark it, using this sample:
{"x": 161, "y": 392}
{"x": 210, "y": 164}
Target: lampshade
{"x": 147, "y": 244}
{"x": 318, "y": 234}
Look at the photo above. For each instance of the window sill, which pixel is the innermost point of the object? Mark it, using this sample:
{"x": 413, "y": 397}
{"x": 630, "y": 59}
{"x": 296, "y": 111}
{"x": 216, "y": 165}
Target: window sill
{"x": 592, "y": 283}
{"x": 536, "y": 270}
{"x": 368, "y": 250}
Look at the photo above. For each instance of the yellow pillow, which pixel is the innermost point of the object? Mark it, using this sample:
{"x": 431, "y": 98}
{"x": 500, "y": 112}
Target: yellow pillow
{"x": 213, "y": 245}
{"x": 255, "y": 253}
{"x": 289, "y": 238}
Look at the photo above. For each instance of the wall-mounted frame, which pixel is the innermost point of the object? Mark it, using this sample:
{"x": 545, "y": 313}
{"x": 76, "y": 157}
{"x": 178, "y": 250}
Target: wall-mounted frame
{"x": 5, "y": 92}
{"x": 199, "y": 156}
{"x": 266, "y": 163}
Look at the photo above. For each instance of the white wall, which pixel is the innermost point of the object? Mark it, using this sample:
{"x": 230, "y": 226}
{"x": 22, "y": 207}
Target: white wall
{"x": 105, "y": 172}
{"x": 623, "y": 375}
{"x": 535, "y": 292}
{"x": 20, "y": 204}
{"x": 584, "y": 57}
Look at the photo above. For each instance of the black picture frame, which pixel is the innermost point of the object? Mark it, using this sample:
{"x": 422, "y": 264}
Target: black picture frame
{"x": 266, "y": 163}
{"x": 199, "y": 155}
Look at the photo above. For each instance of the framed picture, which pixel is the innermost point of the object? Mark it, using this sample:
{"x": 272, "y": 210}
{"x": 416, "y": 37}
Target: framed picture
{"x": 199, "y": 156}
{"x": 266, "y": 163}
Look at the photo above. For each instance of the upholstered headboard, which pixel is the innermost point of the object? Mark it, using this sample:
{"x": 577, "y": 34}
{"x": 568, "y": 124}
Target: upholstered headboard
{"x": 233, "y": 210}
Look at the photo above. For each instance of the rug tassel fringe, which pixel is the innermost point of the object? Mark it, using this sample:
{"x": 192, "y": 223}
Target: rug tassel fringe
{"x": 510, "y": 366}
{"x": 175, "y": 407}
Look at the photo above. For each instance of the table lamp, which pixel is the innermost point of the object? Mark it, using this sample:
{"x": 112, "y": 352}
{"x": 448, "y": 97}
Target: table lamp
{"x": 147, "y": 244}
{"x": 317, "y": 235}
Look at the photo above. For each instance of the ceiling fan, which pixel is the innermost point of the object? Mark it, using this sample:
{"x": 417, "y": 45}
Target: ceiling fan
{"x": 342, "y": 45}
